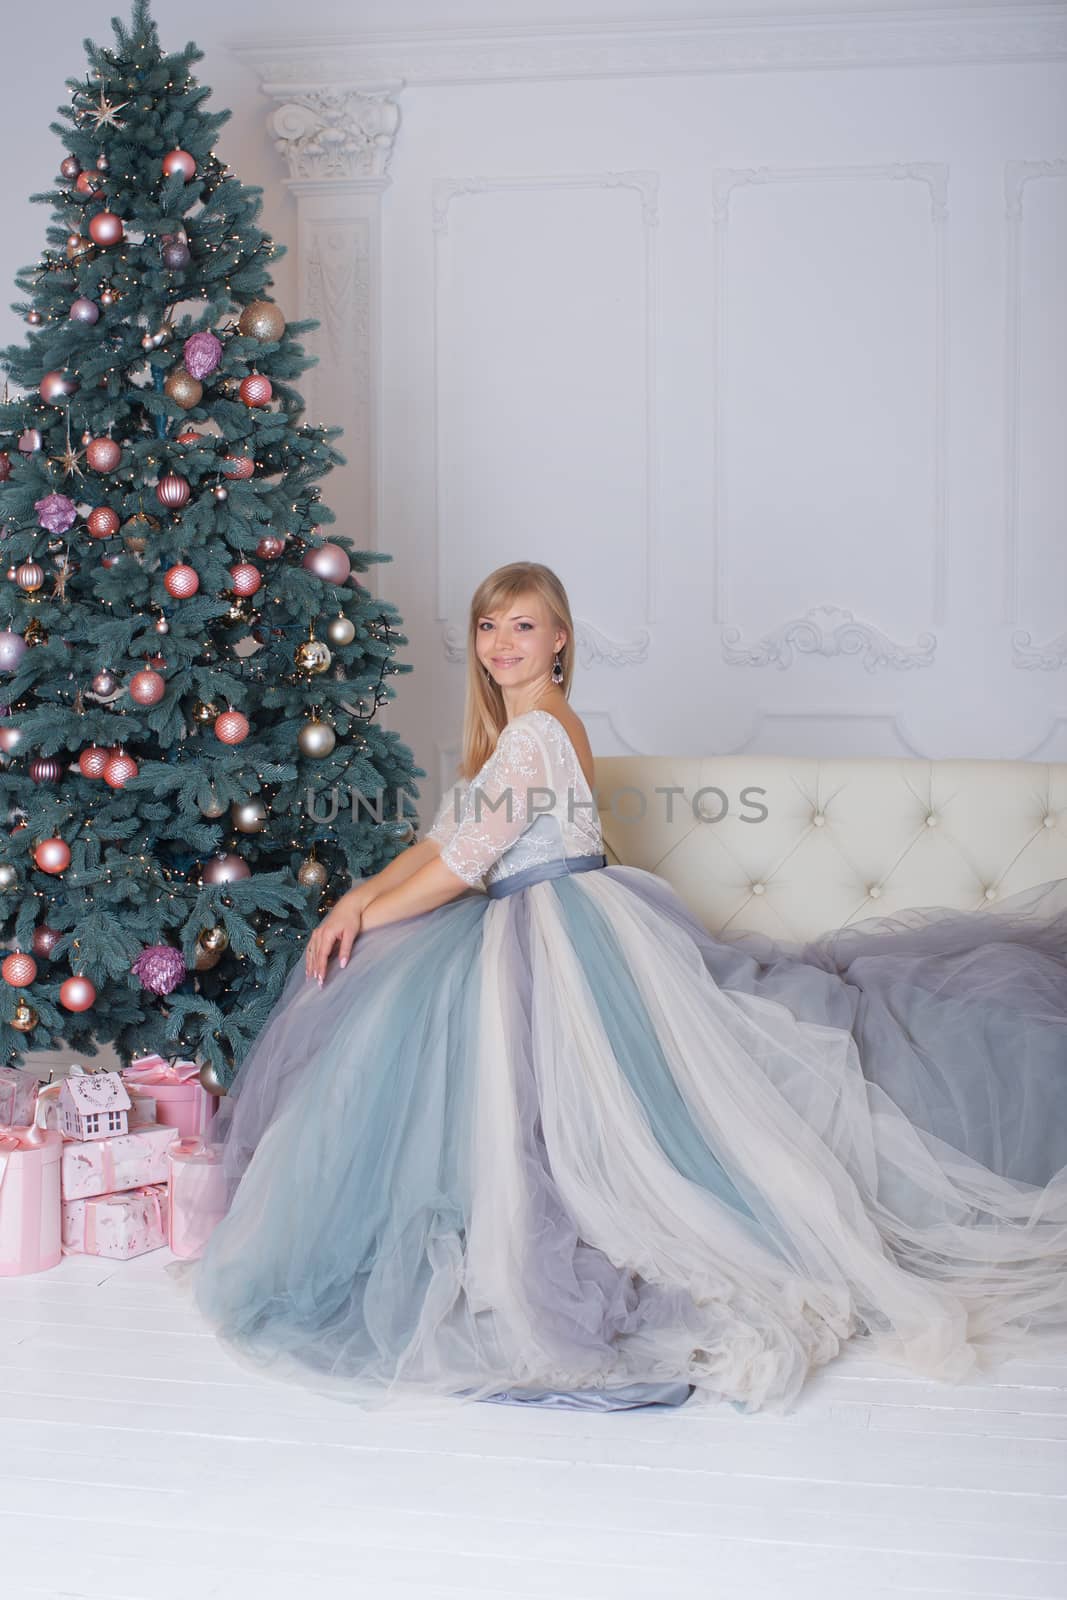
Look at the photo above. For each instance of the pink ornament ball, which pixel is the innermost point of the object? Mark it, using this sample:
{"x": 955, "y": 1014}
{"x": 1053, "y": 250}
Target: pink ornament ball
{"x": 329, "y": 562}
{"x": 226, "y": 869}
{"x": 270, "y": 547}
{"x": 232, "y": 727}
{"x": 103, "y": 522}
{"x": 181, "y": 581}
{"x": 147, "y": 688}
{"x": 52, "y": 856}
{"x": 105, "y": 228}
{"x": 46, "y": 769}
{"x": 84, "y": 310}
{"x": 70, "y": 167}
{"x": 19, "y": 969}
{"x": 179, "y": 161}
{"x": 56, "y": 386}
{"x": 238, "y": 467}
{"x": 119, "y": 770}
{"x": 10, "y": 739}
{"x": 12, "y": 649}
{"x": 246, "y": 578}
{"x": 45, "y": 940}
{"x": 77, "y": 994}
{"x": 173, "y": 491}
{"x": 91, "y": 762}
{"x": 103, "y": 454}
{"x": 256, "y": 390}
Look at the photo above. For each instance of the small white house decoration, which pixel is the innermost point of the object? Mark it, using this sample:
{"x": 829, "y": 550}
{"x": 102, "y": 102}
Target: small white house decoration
{"x": 94, "y": 1105}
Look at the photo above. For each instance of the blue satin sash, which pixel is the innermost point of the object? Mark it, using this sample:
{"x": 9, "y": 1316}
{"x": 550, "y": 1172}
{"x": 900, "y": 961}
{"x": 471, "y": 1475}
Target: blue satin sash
{"x": 543, "y": 869}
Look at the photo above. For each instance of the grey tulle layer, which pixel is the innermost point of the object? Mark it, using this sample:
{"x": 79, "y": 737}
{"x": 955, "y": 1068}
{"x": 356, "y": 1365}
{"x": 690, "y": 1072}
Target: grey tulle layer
{"x": 414, "y": 1152}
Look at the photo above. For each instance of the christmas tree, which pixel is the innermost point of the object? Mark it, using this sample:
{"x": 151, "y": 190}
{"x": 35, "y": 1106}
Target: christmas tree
{"x": 189, "y": 669}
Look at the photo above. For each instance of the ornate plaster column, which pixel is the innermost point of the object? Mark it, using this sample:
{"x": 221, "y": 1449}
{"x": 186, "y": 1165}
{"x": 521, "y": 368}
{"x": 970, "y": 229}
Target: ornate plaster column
{"x": 337, "y": 142}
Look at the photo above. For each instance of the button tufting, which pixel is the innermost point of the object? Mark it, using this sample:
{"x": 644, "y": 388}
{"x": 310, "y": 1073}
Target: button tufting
{"x": 757, "y": 888}
{"x": 818, "y": 819}
{"x": 931, "y": 821}
{"x": 874, "y": 891}
{"x": 1050, "y": 822}
{"x": 991, "y": 894}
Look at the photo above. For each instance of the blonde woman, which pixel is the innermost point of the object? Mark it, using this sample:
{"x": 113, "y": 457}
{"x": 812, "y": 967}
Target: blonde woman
{"x": 519, "y": 1129}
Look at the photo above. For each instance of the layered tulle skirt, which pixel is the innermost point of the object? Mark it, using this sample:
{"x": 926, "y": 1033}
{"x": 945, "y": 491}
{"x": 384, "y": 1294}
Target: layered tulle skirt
{"x": 560, "y": 1145}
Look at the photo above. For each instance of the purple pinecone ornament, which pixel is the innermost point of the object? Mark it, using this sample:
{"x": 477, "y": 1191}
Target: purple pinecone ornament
{"x": 160, "y": 968}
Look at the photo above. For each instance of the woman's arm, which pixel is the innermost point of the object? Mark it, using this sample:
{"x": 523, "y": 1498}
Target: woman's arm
{"x": 429, "y": 885}
{"x": 402, "y": 867}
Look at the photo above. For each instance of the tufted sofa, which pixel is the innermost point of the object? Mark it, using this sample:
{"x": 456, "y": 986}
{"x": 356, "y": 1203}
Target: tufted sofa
{"x": 793, "y": 847}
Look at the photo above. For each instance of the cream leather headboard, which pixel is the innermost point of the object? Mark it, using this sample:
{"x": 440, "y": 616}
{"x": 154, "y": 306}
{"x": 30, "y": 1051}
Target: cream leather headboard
{"x": 804, "y": 846}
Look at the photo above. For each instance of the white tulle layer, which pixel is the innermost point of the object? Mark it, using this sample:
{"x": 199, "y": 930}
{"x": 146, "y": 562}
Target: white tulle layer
{"x": 533, "y": 1142}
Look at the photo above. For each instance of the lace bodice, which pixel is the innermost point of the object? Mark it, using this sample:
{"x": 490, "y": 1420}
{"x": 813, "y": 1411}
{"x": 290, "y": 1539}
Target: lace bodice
{"x": 552, "y": 812}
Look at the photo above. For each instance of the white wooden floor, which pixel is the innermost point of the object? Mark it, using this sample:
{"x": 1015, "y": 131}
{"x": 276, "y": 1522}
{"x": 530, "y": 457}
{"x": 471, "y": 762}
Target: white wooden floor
{"x": 138, "y": 1462}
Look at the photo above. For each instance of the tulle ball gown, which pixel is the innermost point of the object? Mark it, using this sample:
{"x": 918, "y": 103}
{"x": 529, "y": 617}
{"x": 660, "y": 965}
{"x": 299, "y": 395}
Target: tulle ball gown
{"x": 554, "y": 1144}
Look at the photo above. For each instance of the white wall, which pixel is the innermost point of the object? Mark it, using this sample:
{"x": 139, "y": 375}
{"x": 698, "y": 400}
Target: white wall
{"x": 784, "y": 404}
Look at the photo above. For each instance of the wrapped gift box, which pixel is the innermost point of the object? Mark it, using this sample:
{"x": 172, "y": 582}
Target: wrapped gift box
{"x": 125, "y": 1161}
{"x": 29, "y": 1200}
{"x": 197, "y": 1194}
{"x": 182, "y": 1102}
{"x": 116, "y": 1225}
{"x": 142, "y": 1108}
{"x": 18, "y": 1096}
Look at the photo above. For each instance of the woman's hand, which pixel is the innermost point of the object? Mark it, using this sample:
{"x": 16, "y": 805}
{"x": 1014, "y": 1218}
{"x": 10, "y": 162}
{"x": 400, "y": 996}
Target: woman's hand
{"x": 340, "y": 926}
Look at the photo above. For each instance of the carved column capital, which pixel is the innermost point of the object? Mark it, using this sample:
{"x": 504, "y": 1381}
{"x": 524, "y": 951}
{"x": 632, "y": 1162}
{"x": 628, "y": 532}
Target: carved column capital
{"x": 336, "y": 134}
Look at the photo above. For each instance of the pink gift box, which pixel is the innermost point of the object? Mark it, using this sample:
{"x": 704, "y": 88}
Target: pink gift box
{"x": 142, "y": 1110}
{"x": 116, "y": 1225}
{"x": 197, "y": 1194}
{"x": 29, "y": 1200}
{"x": 182, "y": 1102}
{"x": 18, "y": 1094}
{"x": 125, "y": 1161}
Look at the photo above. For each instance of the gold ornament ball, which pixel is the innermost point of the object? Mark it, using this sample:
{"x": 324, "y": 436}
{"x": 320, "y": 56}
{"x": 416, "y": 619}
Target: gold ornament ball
{"x": 205, "y": 711}
{"x": 249, "y": 816}
{"x": 215, "y": 940}
{"x": 312, "y": 874}
{"x": 204, "y": 960}
{"x": 316, "y": 740}
{"x": 29, "y": 576}
{"x": 312, "y": 656}
{"x": 25, "y": 1018}
{"x": 262, "y": 320}
{"x": 340, "y": 630}
{"x": 210, "y": 1079}
{"x": 212, "y": 807}
{"x": 185, "y": 390}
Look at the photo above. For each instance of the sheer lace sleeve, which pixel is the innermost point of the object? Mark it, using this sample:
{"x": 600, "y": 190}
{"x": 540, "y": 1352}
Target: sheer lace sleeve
{"x": 513, "y": 788}
{"x": 446, "y": 820}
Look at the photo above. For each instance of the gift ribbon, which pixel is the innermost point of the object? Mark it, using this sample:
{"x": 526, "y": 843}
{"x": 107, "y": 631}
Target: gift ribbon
{"x": 146, "y": 1191}
{"x": 156, "y": 1069}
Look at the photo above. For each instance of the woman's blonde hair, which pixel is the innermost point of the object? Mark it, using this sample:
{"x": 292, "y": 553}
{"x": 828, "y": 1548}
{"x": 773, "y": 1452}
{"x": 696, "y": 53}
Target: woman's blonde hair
{"x": 484, "y": 713}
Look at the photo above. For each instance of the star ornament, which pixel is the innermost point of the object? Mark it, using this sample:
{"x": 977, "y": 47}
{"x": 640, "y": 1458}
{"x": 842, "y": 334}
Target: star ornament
{"x": 69, "y": 462}
{"x": 104, "y": 114}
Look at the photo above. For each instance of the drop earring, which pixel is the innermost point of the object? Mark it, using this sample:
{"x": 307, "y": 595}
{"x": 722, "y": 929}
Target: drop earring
{"x": 557, "y": 670}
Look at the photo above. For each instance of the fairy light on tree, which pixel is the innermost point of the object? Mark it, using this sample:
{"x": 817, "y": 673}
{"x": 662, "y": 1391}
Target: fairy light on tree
{"x": 185, "y": 654}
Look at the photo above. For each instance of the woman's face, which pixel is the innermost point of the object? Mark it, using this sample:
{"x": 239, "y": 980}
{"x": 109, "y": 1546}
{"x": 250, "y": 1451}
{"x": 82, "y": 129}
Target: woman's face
{"x": 518, "y": 643}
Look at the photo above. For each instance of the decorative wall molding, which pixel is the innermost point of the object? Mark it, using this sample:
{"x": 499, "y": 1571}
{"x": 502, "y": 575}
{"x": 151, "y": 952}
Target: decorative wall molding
{"x": 935, "y": 176}
{"x": 827, "y": 631}
{"x": 594, "y": 648}
{"x": 1017, "y": 174}
{"x": 646, "y": 186}
{"x": 329, "y": 133}
{"x": 1025, "y": 653}
{"x": 452, "y": 55}
{"x": 890, "y": 720}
